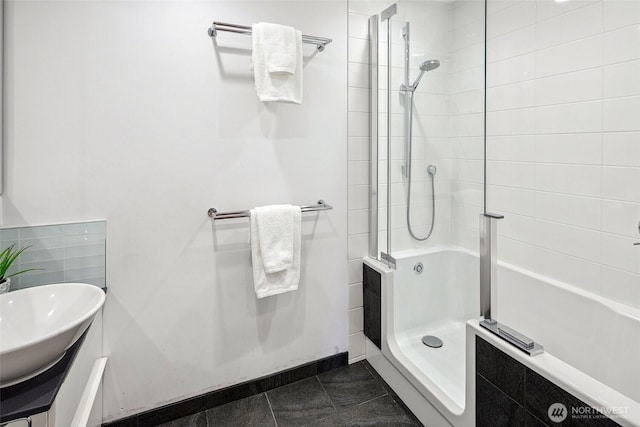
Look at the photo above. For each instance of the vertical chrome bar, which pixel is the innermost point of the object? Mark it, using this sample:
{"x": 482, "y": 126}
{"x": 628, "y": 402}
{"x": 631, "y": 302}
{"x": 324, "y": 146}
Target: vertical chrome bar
{"x": 373, "y": 130}
{"x": 389, "y": 136}
{"x": 488, "y": 263}
{"x": 386, "y": 16}
{"x": 406, "y": 34}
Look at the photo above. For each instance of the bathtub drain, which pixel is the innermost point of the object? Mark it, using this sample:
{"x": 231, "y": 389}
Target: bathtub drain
{"x": 431, "y": 341}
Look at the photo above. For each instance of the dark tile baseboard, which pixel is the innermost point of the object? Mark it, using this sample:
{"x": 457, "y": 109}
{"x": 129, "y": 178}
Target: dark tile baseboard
{"x": 229, "y": 394}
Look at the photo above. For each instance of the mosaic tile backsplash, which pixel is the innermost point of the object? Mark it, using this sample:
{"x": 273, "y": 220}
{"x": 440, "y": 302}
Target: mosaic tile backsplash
{"x": 64, "y": 253}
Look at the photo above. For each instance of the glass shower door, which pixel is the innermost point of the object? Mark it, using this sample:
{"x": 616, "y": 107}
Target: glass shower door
{"x": 430, "y": 125}
{"x": 429, "y": 143}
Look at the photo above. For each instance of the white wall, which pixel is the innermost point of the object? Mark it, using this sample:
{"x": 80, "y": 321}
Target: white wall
{"x": 128, "y": 111}
{"x": 562, "y": 140}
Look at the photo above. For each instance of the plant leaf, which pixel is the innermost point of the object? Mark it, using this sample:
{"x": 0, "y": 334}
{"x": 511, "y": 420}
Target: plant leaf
{"x": 16, "y": 255}
{"x": 7, "y": 258}
{"x": 8, "y": 249}
{"x": 4, "y": 257}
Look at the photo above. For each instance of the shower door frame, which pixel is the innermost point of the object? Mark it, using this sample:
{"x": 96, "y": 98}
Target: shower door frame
{"x": 374, "y": 135}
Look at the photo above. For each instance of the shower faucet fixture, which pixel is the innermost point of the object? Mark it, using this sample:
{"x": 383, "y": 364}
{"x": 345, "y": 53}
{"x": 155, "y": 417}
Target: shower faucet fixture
{"x": 428, "y": 65}
{"x": 431, "y": 170}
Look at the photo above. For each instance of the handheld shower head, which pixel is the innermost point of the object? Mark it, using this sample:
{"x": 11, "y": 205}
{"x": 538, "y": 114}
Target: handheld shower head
{"x": 428, "y": 65}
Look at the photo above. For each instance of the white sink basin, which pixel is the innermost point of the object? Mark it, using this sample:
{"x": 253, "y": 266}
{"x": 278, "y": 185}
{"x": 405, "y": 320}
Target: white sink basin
{"x": 37, "y": 326}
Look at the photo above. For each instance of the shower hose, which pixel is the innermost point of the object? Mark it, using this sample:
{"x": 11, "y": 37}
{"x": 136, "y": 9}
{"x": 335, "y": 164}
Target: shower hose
{"x": 433, "y": 190}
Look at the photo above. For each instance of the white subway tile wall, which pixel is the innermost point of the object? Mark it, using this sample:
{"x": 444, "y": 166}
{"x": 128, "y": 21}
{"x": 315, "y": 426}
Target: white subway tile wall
{"x": 563, "y": 140}
{"x": 60, "y": 253}
{"x": 467, "y": 166}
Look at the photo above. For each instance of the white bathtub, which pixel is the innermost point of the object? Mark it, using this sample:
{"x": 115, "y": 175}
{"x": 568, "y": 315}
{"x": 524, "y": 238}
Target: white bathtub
{"x": 592, "y": 345}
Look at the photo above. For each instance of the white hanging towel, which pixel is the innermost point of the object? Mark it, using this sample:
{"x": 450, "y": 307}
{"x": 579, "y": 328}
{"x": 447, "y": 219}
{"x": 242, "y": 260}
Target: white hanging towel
{"x": 275, "y": 249}
{"x": 275, "y": 236}
{"x": 277, "y": 62}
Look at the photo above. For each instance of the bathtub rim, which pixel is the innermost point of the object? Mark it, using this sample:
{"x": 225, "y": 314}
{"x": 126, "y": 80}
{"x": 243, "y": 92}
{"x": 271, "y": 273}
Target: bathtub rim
{"x": 409, "y": 253}
{"x": 617, "y": 307}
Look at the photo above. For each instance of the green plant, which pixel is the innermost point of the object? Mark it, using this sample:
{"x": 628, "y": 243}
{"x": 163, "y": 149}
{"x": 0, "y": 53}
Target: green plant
{"x": 7, "y": 258}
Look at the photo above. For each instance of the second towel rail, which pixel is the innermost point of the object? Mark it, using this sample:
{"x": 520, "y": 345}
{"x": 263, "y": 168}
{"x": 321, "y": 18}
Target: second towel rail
{"x": 214, "y": 214}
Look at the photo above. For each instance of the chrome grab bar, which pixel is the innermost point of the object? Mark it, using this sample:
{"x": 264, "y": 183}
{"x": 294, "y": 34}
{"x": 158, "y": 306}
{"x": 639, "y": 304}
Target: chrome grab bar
{"x": 215, "y": 215}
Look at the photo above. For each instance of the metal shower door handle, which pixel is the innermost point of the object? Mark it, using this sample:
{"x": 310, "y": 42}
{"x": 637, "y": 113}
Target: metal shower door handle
{"x": 488, "y": 262}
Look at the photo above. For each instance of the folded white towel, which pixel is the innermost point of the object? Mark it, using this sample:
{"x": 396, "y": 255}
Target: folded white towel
{"x": 277, "y": 62}
{"x": 275, "y": 234}
{"x": 277, "y": 282}
{"x": 281, "y": 47}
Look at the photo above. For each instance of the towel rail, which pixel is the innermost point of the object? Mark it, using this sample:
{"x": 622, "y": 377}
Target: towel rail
{"x": 320, "y": 42}
{"x": 214, "y": 214}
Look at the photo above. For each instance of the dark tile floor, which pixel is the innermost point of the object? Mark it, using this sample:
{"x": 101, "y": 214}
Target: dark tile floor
{"x": 351, "y": 396}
